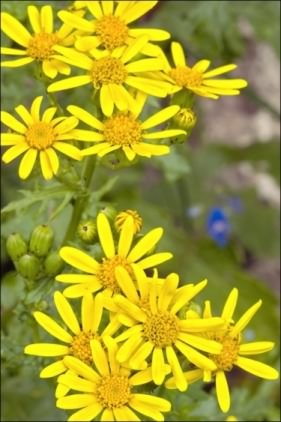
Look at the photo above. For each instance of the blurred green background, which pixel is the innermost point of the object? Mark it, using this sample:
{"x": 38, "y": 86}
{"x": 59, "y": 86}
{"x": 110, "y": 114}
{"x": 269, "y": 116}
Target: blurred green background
{"x": 231, "y": 162}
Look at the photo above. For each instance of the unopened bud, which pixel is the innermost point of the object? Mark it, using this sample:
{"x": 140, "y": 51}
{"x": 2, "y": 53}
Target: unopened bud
{"x": 41, "y": 240}
{"x": 87, "y": 231}
{"x": 185, "y": 118}
{"x": 29, "y": 266}
{"x": 53, "y": 264}
{"x": 109, "y": 211}
{"x": 16, "y": 246}
{"x": 122, "y": 216}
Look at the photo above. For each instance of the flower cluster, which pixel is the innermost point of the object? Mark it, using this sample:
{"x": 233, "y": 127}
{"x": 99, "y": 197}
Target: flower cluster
{"x": 121, "y": 64}
{"x": 135, "y": 330}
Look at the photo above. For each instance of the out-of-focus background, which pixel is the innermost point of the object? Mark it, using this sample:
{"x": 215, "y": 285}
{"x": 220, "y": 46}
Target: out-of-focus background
{"x": 217, "y": 197}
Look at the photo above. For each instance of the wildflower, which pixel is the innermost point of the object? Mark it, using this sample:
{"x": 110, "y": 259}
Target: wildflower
{"x": 218, "y": 226}
{"x": 196, "y": 78}
{"x": 123, "y": 215}
{"x": 43, "y": 136}
{"x": 110, "y": 29}
{"x": 156, "y": 328}
{"x": 77, "y": 341}
{"x": 101, "y": 275}
{"x": 108, "y": 389}
{"x": 233, "y": 352}
{"x": 38, "y": 45}
{"x": 125, "y": 131}
{"x": 231, "y": 418}
{"x": 110, "y": 72}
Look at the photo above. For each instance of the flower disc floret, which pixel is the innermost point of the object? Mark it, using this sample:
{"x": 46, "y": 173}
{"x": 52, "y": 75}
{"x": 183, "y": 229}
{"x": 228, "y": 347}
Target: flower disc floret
{"x": 186, "y": 77}
{"x": 112, "y": 31}
{"x": 113, "y": 391}
{"x": 40, "y": 135}
{"x": 161, "y": 329}
{"x": 122, "y": 129}
{"x": 106, "y": 273}
{"x": 80, "y": 346}
{"x": 226, "y": 359}
{"x": 40, "y": 45}
{"x": 108, "y": 70}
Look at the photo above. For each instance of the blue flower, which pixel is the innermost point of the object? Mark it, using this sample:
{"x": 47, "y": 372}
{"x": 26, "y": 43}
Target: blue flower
{"x": 218, "y": 226}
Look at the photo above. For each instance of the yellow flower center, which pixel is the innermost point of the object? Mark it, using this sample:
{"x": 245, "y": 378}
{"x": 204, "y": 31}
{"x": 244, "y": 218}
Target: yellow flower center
{"x": 230, "y": 350}
{"x": 108, "y": 70}
{"x": 122, "y": 216}
{"x": 186, "y": 77}
{"x": 112, "y": 32}
{"x": 40, "y": 45}
{"x": 106, "y": 273}
{"x": 122, "y": 129}
{"x": 40, "y": 135}
{"x": 113, "y": 391}
{"x": 161, "y": 329}
{"x": 80, "y": 346}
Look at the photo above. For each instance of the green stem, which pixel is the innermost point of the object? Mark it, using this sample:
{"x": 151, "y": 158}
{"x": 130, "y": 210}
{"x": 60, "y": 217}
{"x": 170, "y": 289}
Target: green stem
{"x": 81, "y": 200}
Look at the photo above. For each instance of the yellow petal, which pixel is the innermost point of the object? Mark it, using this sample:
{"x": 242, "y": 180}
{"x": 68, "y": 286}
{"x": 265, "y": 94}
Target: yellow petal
{"x": 53, "y": 160}
{"x": 14, "y": 152}
{"x": 46, "y": 349}
{"x": 69, "y": 150}
{"x": 226, "y": 83}
{"x": 245, "y": 319}
{"x": 24, "y": 114}
{"x": 126, "y": 284}
{"x": 69, "y": 83}
{"x": 12, "y": 123}
{"x": 81, "y": 368}
{"x": 73, "y": 382}
{"x": 85, "y": 117}
{"x": 160, "y": 117}
{"x": 198, "y": 359}
{"x": 155, "y": 259}
{"x": 201, "y": 66}
{"x": 46, "y": 167}
{"x": 256, "y": 347}
{"x": 180, "y": 379}
{"x": 256, "y": 368}
{"x": 133, "y": 49}
{"x": 27, "y": 163}
{"x": 75, "y": 21}
{"x": 47, "y": 19}
{"x": 34, "y": 18}
{"x": 12, "y": 51}
{"x": 52, "y": 327}
{"x": 99, "y": 357}
{"x": 17, "y": 63}
{"x": 126, "y": 237}
{"x": 105, "y": 235}
{"x": 178, "y": 54}
{"x": 14, "y": 29}
{"x": 75, "y": 401}
{"x": 106, "y": 101}
{"x": 158, "y": 364}
{"x": 48, "y": 69}
{"x": 8, "y": 139}
{"x": 153, "y": 34}
{"x": 138, "y": 9}
{"x": 145, "y": 244}
{"x": 219, "y": 70}
{"x": 169, "y": 133}
{"x": 95, "y": 9}
{"x": 53, "y": 369}
{"x": 35, "y": 108}
{"x": 222, "y": 391}
{"x": 230, "y": 305}
{"x": 66, "y": 312}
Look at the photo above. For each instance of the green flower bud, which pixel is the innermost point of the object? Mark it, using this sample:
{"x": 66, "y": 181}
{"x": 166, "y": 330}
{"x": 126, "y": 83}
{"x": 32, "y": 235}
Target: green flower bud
{"x": 186, "y": 118}
{"x": 53, "y": 264}
{"x": 16, "y": 246}
{"x": 87, "y": 231}
{"x": 29, "y": 266}
{"x": 41, "y": 240}
{"x": 110, "y": 212}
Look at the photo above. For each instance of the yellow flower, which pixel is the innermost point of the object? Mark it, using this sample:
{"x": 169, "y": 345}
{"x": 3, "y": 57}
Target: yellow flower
{"x": 108, "y": 389}
{"x": 101, "y": 275}
{"x": 197, "y": 80}
{"x": 39, "y": 44}
{"x": 43, "y": 136}
{"x": 124, "y": 130}
{"x": 152, "y": 312}
{"x": 231, "y": 418}
{"x": 77, "y": 341}
{"x": 233, "y": 352}
{"x": 122, "y": 216}
{"x": 110, "y": 72}
{"x": 110, "y": 29}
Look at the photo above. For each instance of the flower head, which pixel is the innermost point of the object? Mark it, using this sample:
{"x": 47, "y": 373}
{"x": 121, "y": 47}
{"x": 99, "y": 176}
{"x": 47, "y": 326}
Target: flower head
{"x": 125, "y": 131}
{"x": 233, "y": 351}
{"x": 101, "y": 275}
{"x": 197, "y": 79}
{"x": 108, "y": 388}
{"x": 152, "y": 311}
{"x": 110, "y": 73}
{"x": 38, "y": 136}
{"x": 39, "y": 44}
{"x": 122, "y": 216}
{"x": 110, "y": 27}
{"x": 76, "y": 337}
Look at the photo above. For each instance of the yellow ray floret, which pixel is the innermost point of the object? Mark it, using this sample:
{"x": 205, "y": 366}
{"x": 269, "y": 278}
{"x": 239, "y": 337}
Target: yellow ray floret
{"x": 38, "y": 136}
{"x": 106, "y": 391}
{"x": 112, "y": 73}
{"x": 38, "y": 44}
{"x": 110, "y": 28}
{"x": 101, "y": 275}
{"x": 197, "y": 78}
{"x": 233, "y": 351}
{"x": 124, "y": 130}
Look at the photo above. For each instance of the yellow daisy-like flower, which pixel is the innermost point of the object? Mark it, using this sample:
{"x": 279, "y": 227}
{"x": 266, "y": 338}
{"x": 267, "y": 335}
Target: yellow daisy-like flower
{"x": 233, "y": 351}
{"x": 101, "y": 275}
{"x": 122, "y": 216}
{"x": 111, "y": 72}
{"x": 77, "y": 341}
{"x": 39, "y": 44}
{"x": 124, "y": 130}
{"x": 43, "y": 136}
{"x": 107, "y": 392}
{"x": 110, "y": 29}
{"x": 197, "y": 79}
{"x": 156, "y": 328}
